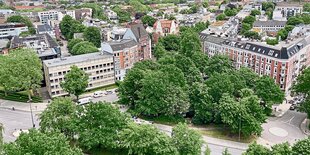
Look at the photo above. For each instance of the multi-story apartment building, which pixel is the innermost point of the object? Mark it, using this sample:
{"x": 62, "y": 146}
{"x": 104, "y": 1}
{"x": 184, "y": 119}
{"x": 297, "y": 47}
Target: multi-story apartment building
{"x": 137, "y": 32}
{"x": 45, "y": 16}
{"x": 269, "y": 25}
{"x": 125, "y": 54}
{"x": 289, "y": 9}
{"x": 99, "y": 66}
{"x": 223, "y": 28}
{"x": 8, "y": 30}
{"x": 282, "y": 62}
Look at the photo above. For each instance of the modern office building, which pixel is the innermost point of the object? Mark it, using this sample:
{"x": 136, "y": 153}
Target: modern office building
{"x": 99, "y": 66}
{"x": 283, "y": 62}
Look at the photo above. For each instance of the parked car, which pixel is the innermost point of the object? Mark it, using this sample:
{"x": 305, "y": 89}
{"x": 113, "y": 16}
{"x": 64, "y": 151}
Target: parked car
{"x": 98, "y": 94}
{"x": 108, "y": 92}
{"x": 292, "y": 107}
{"x": 83, "y": 101}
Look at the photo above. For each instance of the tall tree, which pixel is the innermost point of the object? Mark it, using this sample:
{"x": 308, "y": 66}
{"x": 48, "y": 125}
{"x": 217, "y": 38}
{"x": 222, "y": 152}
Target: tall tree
{"x": 1, "y": 138}
{"x": 303, "y": 83}
{"x": 29, "y": 68}
{"x": 92, "y": 34}
{"x": 73, "y": 42}
{"x": 255, "y": 149}
{"x": 187, "y": 141}
{"x": 190, "y": 43}
{"x": 37, "y": 143}
{"x": 159, "y": 50}
{"x": 83, "y": 47}
{"x": 170, "y": 42}
{"x": 148, "y": 20}
{"x": 281, "y": 149}
{"x": 8, "y": 74}
{"x": 163, "y": 93}
{"x": 66, "y": 25}
{"x": 302, "y": 147}
{"x": 24, "y": 20}
{"x": 146, "y": 139}
{"x": 59, "y": 115}
{"x": 75, "y": 82}
{"x": 218, "y": 64}
{"x": 99, "y": 126}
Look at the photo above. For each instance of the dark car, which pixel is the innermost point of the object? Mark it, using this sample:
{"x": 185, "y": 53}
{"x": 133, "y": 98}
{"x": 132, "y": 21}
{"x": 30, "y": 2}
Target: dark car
{"x": 292, "y": 107}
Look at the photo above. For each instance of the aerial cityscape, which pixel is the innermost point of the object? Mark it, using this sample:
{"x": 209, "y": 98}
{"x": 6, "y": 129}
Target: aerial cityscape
{"x": 154, "y": 77}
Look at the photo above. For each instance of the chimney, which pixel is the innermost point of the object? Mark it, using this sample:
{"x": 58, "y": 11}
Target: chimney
{"x": 139, "y": 32}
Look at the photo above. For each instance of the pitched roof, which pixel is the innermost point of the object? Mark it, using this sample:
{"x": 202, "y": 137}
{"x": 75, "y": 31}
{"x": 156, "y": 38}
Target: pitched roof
{"x": 269, "y": 23}
{"x": 138, "y": 30}
{"x": 164, "y": 23}
{"x": 122, "y": 44}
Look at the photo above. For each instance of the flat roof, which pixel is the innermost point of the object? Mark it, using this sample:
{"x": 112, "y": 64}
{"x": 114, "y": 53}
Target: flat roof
{"x": 76, "y": 59}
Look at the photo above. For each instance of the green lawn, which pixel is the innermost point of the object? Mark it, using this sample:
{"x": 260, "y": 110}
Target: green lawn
{"x": 21, "y": 96}
{"x": 227, "y": 135}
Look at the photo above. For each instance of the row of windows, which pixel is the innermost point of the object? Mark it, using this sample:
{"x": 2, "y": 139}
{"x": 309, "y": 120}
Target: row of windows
{"x": 102, "y": 77}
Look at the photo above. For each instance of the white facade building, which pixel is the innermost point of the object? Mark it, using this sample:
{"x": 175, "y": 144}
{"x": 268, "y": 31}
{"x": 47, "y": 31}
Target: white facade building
{"x": 12, "y": 29}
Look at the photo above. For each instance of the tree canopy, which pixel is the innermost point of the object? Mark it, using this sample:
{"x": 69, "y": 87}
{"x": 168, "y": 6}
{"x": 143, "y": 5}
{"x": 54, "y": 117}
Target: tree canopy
{"x": 69, "y": 26}
{"x": 24, "y": 20}
{"x": 76, "y": 81}
{"x": 148, "y": 20}
{"x": 83, "y": 47}
{"x": 38, "y": 143}
{"x": 92, "y": 34}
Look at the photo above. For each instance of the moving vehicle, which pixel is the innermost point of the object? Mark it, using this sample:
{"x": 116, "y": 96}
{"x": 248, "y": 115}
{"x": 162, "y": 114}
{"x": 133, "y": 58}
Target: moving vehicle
{"x": 98, "y": 94}
{"x": 83, "y": 101}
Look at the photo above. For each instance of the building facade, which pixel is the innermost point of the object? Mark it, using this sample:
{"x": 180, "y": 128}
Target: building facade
{"x": 283, "y": 63}
{"x": 8, "y": 30}
{"x": 269, "y": 25}
{"x": 289, "y": 9}
{"x": 164, "y": 27}
{"x": 125, "y": 54}
{"x": 99, "y": 67}
{"x": 137, "y": 32}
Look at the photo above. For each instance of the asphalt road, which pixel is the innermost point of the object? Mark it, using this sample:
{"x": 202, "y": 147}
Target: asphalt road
{"x": 290, "y": 122}
{"x": 15, "y": 120}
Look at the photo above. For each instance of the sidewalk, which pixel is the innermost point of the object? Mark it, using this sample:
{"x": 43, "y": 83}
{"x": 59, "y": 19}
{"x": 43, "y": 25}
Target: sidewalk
{"x": 304, "y": 127}
{"x": 20, "y": 106}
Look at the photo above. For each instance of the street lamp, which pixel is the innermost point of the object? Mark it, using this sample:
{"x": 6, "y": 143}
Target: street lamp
{"x": 30, "y": 104}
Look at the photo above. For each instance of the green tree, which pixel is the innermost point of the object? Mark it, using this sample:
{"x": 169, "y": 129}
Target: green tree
{"x": 99, "y": 126}
{"x": 272, "y": 41}
{"x": 59, "y": 116}
{"x": 251, "y": 34}
{"x": 29, "y": 68}
{"x": 268, "y": 90}
{"x": 302, "y": 86}
{"x": 249, "y": 20}
{"x": 301, "y": 147}
{"x": 246, "y": 27}
{"x": 37, "y": 143}
{"x": 76, "y": 81}
{"x": 190, "y": 71}
{"x": 255, "y": 12}
{"x": 97, "y": 10}
{"x": 190, "y": 43}
{"x": 148, "y": 20}
{"x": 248, "y": 76}
{"x": 218, "y": 64}
{"x": 282, "y": 34}
{"x": 83, "y": 47}
{"x": 8, "y": 74}
{"x": 230, "y": 12}
{"x": 221, "y": 17}
{"x": 294, "y": 21}
{"x": 163, "y": 92}
{"x": 73, "y": 42}
{"x": 170, "y": 42}
{"x": 306, "y": 7}
{"x": 187, "y": 141}
{"x": 145, "y": 139}
{"x": 66, "y": 25}
{"x": 205, "y": 4}
{"x": 159, "y": 51}
{"x": 267, "y": 5}
{"x": 138, "y": 6}
{"x": 256, "y": 149}
{"x": 24, "y": 20}
{"x": 92, "y": 34}
{"x": 281, "y": 149}
{"x": 1, "y": 138}
{"x": 201, "y": 104}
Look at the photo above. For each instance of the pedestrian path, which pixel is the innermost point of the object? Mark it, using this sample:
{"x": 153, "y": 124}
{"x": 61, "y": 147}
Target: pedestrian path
{"x": 20, "y": 106}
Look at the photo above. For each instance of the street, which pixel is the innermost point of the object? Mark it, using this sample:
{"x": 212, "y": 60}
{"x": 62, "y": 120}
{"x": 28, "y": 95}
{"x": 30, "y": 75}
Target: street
{"x": 15, "y": 120}
{"x": 285, "y": 128}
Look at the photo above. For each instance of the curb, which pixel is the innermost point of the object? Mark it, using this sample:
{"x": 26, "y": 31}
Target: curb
{"x": 21, "y": 110}
{"x": 302, "y": 129}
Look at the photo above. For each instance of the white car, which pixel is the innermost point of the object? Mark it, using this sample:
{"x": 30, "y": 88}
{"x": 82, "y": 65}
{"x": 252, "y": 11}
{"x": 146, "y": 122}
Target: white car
{"x": 98, "y": 94}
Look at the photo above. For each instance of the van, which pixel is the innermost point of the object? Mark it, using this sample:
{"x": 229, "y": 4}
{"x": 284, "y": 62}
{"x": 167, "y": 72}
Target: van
{"x": 98, "y": 94}
{"x": 84, "y": 100}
